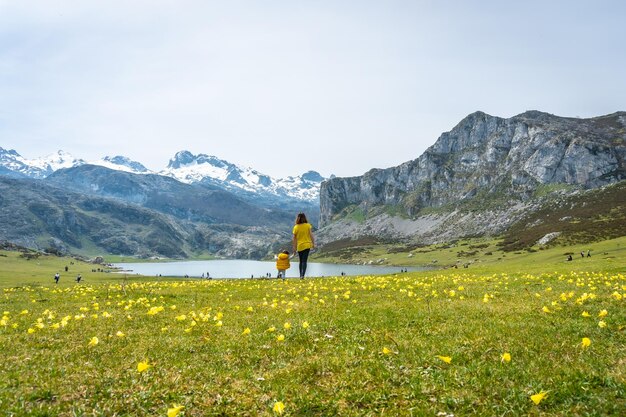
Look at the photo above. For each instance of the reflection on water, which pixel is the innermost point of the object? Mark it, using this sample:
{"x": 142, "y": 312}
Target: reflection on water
{"x": 256, "y": 269}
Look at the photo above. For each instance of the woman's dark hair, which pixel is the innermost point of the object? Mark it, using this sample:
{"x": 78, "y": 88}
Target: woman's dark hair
{"x": 301, "y": 218}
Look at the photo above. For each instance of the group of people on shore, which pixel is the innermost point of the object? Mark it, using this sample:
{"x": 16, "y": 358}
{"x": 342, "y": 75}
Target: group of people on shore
{"x": 57, "y": 277}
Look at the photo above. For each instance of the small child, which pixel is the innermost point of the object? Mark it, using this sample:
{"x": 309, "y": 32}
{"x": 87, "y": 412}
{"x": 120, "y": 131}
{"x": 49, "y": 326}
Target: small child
{"x": 282, "y": 263}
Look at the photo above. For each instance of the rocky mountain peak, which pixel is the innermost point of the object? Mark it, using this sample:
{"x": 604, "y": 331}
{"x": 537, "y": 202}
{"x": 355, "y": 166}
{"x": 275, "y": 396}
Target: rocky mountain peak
{"x": 181, "y": 158}
{"x": 123, "y": 163}
{"x": 8, "y": 153}
{"x": 484, "y": 154}
{"x": 312, "y": 176}
{"x": 535, "y": 115}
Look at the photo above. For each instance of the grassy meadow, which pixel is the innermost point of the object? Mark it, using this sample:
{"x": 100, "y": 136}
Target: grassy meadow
{"x": 529, "y": 334}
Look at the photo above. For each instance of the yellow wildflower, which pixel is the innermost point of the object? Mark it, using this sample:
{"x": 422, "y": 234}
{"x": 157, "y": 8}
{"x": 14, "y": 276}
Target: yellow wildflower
{"x": 94, "y": 341}
{"x": 586, "y": 342}
{"x": 143, "y": 366}
{"x": 506, "y": 357}
{"x": 279, "y": 407}
{"x": 175, "y": 410}
{"x": 446, "y": 359}
{"x": 536, "y": 398}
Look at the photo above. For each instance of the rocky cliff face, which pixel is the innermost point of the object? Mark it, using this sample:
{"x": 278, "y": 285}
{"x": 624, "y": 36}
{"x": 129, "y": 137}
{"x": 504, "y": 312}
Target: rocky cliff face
{"x": 488, "y": 157}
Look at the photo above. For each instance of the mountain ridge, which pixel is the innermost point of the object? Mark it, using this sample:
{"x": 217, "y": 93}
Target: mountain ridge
{"x": 185, "y": 167}
{"x": 483, "y": 163}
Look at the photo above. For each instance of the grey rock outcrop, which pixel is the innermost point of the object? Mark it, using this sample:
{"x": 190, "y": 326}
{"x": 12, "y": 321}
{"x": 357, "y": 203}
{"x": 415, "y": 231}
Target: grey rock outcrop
{"x": 485, "y": 155}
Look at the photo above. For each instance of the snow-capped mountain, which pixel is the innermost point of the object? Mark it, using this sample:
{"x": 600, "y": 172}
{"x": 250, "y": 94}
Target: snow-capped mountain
{"x": 189, "y": 168}
{"x": 184, "y": 167}
{"x": 122, "y": 163}
{"x": 16, "y": 165}
{"x": 38, "y": 167}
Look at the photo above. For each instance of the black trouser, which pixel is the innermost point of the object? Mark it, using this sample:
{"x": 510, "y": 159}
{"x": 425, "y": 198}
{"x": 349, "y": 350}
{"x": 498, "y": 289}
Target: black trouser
{"x": 303, "y": 255}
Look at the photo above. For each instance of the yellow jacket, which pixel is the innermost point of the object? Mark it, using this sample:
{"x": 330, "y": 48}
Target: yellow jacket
{"x": 283, "y": 261}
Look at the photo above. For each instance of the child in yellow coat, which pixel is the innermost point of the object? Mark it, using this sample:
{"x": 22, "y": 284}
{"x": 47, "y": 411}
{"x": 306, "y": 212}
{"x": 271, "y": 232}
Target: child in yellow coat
{"x": 282, "y": 263}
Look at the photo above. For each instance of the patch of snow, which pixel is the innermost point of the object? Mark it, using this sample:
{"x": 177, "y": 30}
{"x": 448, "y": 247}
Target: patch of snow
{"x": 547, "y": 238}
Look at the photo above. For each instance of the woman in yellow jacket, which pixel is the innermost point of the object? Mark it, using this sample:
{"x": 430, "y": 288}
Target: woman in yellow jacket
{"x": 303, "y": 241}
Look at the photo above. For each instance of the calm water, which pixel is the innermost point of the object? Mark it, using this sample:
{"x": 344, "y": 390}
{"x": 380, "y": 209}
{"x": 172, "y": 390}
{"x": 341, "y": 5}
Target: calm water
{"x": 247, "y": 269}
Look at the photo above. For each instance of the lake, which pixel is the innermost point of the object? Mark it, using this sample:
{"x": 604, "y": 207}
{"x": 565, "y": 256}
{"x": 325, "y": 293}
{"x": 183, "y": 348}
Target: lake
{"x": 248, "y": 269}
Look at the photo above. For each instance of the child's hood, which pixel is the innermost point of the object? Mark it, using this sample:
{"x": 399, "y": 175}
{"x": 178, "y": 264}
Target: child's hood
{"x": 283, "y": 256}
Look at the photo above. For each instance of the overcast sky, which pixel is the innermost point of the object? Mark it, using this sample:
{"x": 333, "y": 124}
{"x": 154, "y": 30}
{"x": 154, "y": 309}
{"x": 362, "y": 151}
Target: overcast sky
{"x": 287, "y": 86}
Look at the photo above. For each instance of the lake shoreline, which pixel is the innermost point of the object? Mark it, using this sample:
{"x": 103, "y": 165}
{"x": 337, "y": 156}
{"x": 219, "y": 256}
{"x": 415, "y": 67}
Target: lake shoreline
{"x": 241, "y": 269}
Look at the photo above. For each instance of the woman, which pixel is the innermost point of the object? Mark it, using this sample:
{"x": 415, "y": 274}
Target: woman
{"x": 303, "y": 241}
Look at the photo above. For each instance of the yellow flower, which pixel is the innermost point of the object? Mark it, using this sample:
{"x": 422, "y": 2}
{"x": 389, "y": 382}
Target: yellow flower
{"x": 586, "y": 342}
{"x": 601, "y": 324}
{"x": 585, "y": 314}
{"x": 446, "y": 359}
{"x": 31, "y": 330}
{"x": 545, "y": 309}
{"x": 386, "y": 351}
{"x": 538, "y": 397}
{"x": 120, "y": 334}
{"x": 279, "y": 407}
{"x": 287, "y": 326}
{"x": 506, "y": 357}
{"x": 143, "y": 366}
{"x": 94, "y": 341}
{"x": 603, "y": 313}
{"x": 182, "y": 317}
{"x": 175, "y": 410}
{"x": 271, "y": 329}
{"x": 246, "y": 331}
{"x": 305, "y": 324}
{"x": 281, "y": 337}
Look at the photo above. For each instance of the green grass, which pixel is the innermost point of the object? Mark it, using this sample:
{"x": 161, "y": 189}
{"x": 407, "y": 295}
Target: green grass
{"x": 484, "y": 255}
{"x": 371, "y": 347}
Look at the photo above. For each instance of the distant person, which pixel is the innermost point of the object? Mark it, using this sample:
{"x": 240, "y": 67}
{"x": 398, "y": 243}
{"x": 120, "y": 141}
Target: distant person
{"x": 282, "y": 264}
{"x": 66, "y": 268}
{"x": 303, "y": 241}
{"x": 582, "y": 254}
{"x": 569, "y": 258}
{"x": 78, "y": 278}
{"x": 589, "y": 254}
{"x": 56, "y": 278}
